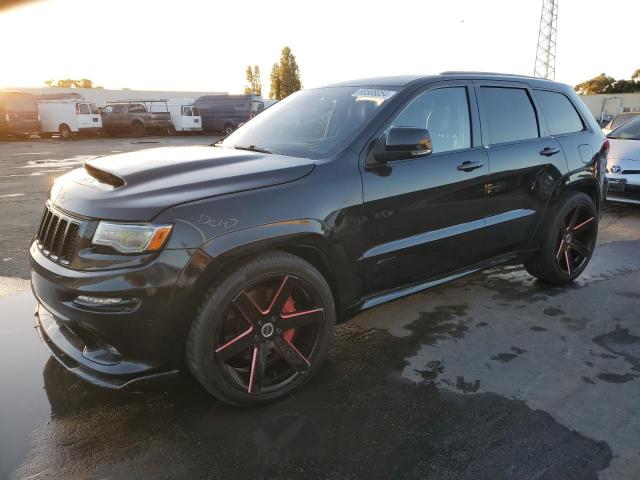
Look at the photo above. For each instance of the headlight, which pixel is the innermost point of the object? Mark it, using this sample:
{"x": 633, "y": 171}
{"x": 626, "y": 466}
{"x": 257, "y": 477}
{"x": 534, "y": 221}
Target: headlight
{"x": 132, "y": 238}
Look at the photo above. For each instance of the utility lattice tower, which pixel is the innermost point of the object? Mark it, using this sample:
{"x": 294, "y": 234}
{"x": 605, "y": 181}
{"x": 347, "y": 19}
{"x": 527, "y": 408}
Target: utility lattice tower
{"x": 546, "y": 51}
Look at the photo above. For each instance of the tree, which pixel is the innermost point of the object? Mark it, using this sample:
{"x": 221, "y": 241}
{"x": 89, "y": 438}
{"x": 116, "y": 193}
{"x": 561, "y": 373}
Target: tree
{"x": 595, "y": 85}
{"x": 276, "y": 86}
{"x": 606, "y": 84}
{"x": 255, "y": 82}
{"x": 66, "y": 83}
{"x": 84, "y": 83}
{"x": 285, "y": 76}
{"x": 70, "y": 83}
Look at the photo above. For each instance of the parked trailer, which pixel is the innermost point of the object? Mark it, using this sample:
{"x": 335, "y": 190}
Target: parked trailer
{"x": 69, "y": 117}
{"x": 18, "y": 114}
{"x": 185, "y": 117}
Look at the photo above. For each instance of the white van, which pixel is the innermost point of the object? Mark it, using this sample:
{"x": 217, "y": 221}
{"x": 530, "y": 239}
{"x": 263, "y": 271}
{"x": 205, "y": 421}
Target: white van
{"x": 67, "y": 117}
{"x": 185, "y": 116}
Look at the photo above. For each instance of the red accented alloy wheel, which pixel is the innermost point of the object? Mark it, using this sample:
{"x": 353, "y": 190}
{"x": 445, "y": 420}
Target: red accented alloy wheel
{"x": 576, "y": 240}
{"x": 270, "y": 334}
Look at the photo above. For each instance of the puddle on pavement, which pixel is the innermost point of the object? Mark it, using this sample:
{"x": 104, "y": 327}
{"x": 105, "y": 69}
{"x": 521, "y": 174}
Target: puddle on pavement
{"x": 355, "y": 419}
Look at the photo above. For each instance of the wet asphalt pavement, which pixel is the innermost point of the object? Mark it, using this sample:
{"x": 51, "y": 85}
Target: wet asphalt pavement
{"x": 494, "y": 376}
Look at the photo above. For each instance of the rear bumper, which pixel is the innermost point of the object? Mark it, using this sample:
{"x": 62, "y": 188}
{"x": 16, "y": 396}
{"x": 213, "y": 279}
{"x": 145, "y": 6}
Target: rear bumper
{"x": 114, "y": 347}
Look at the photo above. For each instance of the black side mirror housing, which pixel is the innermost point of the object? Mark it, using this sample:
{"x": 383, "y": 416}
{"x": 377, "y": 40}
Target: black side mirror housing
{"x": 402, "y": 143}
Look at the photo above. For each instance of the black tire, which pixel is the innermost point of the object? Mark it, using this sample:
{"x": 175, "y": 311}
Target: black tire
{"x": 65, "y": 132}
{"x": 137, "y": 129}
{"x": 568, "y": 242}
{"x": 228, "y": 129}
{"x": 171, "y": 131}
{"x": 230, "y": 376}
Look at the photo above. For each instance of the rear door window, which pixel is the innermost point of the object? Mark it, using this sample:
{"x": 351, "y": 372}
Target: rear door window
{"x": 83, "y": 108}
{"x": 559, "y": 112}
{"x": 93, "y": 109}
{"x": 186, "y": 111}
{"x": 509, "y": 113}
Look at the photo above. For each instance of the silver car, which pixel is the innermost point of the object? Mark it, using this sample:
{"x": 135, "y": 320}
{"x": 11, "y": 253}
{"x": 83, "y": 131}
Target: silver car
{"x": 623, "y": 164}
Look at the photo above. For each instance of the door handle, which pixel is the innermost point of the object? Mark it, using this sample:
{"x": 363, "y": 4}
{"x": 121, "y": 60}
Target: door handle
{"x": 468, "y": 166}
{"x": 548, "y": 151}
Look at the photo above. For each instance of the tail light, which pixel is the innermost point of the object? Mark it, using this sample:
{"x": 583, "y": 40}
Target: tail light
{"x": 77, "y": 109}
{"x": 38, "y": 115}
{"x": 251, "y": 115}
{"x": 605, "y": 146}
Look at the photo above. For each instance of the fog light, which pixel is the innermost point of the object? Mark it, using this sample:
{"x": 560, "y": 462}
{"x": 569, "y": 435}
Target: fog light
{"x": 89, "y": 301}
{"x": 98, "y": 300}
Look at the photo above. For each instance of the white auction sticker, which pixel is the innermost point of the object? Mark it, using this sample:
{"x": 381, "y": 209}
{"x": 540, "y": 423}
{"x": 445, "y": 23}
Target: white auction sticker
{"x": 373, "y": 93}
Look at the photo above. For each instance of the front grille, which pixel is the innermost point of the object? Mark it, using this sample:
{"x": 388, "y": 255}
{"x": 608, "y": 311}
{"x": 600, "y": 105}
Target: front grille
{"x": 57, "y": 236}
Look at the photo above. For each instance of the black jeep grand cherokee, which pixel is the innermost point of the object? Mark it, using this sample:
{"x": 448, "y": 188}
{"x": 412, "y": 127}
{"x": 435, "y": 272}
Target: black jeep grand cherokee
{"x": 237, "y": 259}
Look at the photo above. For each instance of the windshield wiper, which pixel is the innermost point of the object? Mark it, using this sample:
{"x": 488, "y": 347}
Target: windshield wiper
{"x": 252, "y": 148}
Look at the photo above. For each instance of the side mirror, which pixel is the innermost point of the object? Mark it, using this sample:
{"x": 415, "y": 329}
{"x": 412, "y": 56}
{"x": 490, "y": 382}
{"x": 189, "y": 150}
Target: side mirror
{"x": 402, "y": 143}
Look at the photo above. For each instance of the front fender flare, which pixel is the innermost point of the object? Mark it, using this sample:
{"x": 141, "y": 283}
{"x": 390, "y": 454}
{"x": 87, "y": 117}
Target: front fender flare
{"x": 289, "y": 235}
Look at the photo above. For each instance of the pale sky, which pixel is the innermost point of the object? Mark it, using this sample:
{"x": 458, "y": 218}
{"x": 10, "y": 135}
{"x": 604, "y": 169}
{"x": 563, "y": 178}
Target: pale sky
{"x": 206, "y": 45}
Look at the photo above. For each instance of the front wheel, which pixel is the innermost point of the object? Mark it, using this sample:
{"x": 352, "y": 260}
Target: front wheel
{"x": 568, "y": 243}
{"x": 262, "y": 330}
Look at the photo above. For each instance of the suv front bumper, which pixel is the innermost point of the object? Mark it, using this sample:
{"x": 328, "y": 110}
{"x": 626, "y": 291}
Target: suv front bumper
{"x": 114, "y": 346}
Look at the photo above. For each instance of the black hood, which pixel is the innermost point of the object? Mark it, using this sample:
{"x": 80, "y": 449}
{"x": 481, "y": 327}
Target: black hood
{"x": 139, "y": 185}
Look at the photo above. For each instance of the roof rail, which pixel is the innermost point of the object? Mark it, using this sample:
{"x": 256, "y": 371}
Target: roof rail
{"x": 462, "y": 72}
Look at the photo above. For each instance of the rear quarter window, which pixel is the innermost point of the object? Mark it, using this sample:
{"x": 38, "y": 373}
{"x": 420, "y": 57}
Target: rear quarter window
{"x": 83, "y": 108}
{"x": 559, "y": 112}
{"x": 509, "y": 114}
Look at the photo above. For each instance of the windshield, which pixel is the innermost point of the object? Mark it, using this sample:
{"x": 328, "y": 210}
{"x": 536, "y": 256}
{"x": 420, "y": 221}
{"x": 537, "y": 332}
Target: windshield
{"x": 628, "y": 131}
{"x": 310, "y": 123}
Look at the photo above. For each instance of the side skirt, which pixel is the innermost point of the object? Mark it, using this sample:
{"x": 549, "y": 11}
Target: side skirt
{"x": 391, "y": 295}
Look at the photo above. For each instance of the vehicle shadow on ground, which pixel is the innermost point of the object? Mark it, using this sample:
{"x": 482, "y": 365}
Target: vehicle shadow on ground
{"x": 356, "y": 419}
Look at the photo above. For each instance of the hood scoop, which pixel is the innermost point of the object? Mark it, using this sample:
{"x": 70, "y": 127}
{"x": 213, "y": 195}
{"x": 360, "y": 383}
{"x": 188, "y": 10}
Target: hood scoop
{"x": 102, "y": 176}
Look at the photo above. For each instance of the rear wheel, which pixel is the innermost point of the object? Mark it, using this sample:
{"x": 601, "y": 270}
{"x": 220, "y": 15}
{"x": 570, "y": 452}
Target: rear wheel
{"x": 137, "y": 129}
{"x": 65, "y": 132}
{"x": 262, "y": 330}
{"x": 569, "y": 241}
{"x": 171, "y": 131}
{"x": 228, "y": 129}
